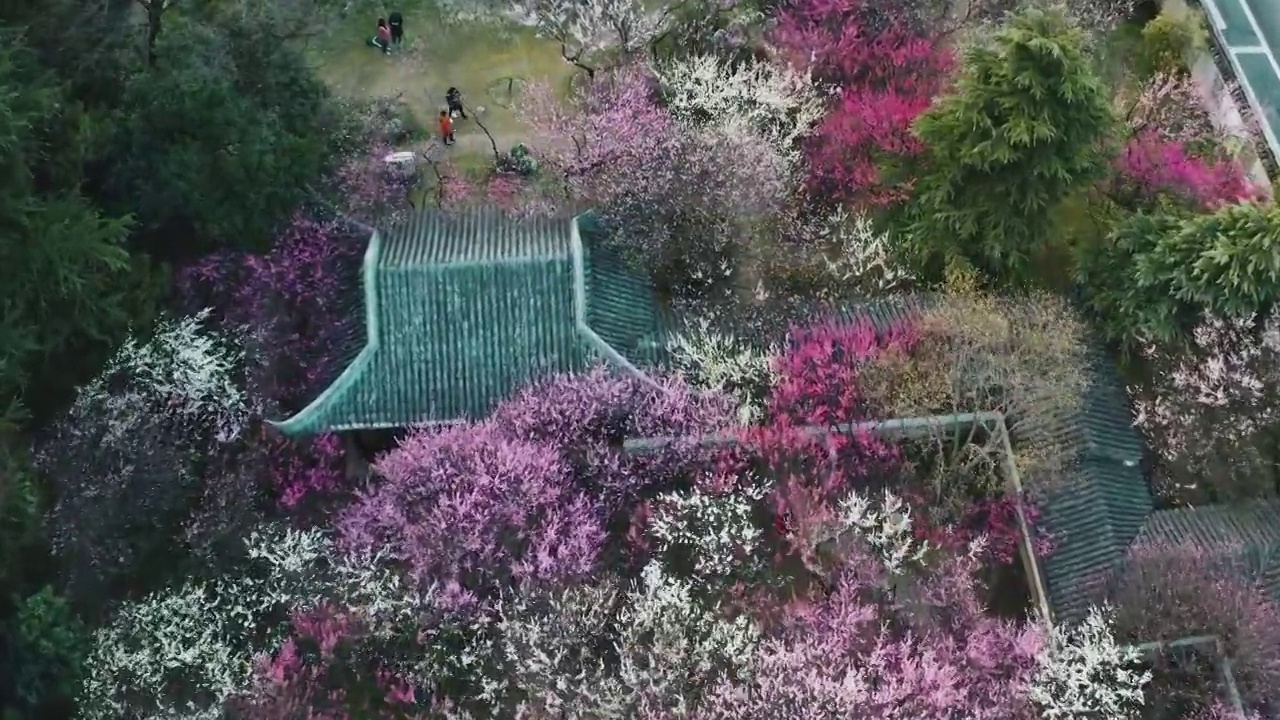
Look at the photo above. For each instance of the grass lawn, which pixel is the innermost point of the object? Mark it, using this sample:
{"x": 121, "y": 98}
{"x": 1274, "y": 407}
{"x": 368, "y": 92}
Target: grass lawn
{"x": 482, "y": 59}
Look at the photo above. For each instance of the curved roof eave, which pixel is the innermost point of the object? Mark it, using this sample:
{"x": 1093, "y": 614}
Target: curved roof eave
{"x": 307, "y": 420}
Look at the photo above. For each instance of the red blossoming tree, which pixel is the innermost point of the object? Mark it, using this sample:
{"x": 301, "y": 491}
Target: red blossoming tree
{"x": 884, "y": 71}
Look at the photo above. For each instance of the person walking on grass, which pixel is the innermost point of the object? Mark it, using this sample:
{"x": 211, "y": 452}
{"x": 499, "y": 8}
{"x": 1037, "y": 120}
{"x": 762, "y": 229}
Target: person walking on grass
{"x": 396, "y": 21}
{"x": 454, "y": 98}
{"x": 382, "y": 40}
{"x": 446, "y": 128}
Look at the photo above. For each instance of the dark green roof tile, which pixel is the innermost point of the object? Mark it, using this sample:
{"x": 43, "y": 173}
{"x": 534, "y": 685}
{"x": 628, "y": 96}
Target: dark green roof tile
{"x": 621, "y": 307}
{"x": 481, "y": 236}
{"x": 1248, "y": 533}
{"x": 1092, "y": 518}
{"x": 1102, "y": 427}
{"x": 462, "y": 310}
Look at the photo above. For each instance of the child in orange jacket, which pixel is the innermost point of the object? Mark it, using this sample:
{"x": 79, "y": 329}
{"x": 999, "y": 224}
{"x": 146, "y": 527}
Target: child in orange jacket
{"x": 446, "y": 127}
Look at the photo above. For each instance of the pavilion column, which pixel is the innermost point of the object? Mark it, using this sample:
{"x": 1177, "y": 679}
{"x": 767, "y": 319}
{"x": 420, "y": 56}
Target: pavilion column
{"x": 357, "y": 467}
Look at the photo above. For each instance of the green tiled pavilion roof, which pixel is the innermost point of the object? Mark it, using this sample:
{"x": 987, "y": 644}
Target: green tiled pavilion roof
{"x": 1247, "y": 34}
{"x": 463, "y": 309}
{"x": 1248, "y": 533}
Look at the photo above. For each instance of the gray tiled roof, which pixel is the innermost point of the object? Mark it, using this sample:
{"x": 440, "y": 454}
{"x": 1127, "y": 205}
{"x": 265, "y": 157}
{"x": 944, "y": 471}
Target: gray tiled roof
{"x": 1249, "y": 532}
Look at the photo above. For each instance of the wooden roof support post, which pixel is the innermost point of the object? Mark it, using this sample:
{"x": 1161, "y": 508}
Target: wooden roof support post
{"x": 1035, "y": 579}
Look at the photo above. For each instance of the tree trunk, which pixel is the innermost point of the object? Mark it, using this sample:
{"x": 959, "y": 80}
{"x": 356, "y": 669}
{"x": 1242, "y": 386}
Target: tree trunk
{"x": 155, "y": 14}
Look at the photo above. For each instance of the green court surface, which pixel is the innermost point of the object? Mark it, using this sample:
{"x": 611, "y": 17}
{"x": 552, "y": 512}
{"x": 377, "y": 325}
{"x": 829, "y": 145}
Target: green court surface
{"x": 1248, "y": 31}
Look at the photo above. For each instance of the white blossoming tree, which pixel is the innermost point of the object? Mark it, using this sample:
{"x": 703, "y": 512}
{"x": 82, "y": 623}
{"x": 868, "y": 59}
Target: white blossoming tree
{"x": 886, "y": 529}
{"x": 668, "y": 645}
{"x": 1085, "y": 675}
{"x": 151, "y": 454}
{"x": 714, "y": 533}
{"x": 1210, "y": 415}
{"x": 856, "y": 256}
{"x": 185, "y": 652}
{"x": 595, "y": 35}
{"x": 778, "y": 103}
{"x": 717, "y": 361}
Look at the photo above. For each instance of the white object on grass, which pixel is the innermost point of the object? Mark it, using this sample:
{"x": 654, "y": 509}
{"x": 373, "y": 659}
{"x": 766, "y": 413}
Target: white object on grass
{"x": 402, "y": 157}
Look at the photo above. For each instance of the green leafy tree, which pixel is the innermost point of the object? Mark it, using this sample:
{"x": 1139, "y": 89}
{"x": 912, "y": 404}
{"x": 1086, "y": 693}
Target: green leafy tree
{"x": 1158, "y": 274}
{"x": 1027, "y": 124}
{"x": 220, "y": 140}
{"x": 68, "y": 287}
{"x": 47, "y": 644}
{"x": 1171, "y": 37}
{"x": 1105, "y": 272}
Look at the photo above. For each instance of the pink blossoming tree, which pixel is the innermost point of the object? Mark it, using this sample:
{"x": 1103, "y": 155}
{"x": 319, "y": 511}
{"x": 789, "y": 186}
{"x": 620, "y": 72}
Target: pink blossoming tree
{"x": 1169, "y": 591}
{"x": 586, "y": 417}
{"x": 863, "y": 650}
{"x": 679, "y": 201}
{"x": 1150, "y": 168}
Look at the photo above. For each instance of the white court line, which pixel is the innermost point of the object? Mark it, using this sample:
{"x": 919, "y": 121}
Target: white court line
{"x": 1264, "y": 50}
{"x": 1257, "y": 29}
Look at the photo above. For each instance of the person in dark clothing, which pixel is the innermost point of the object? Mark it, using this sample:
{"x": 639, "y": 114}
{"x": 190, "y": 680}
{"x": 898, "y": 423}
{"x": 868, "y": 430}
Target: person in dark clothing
{"x": 454, "y": 98}
{"x": 382, "y": 40}
{"x": 396, "y": 21}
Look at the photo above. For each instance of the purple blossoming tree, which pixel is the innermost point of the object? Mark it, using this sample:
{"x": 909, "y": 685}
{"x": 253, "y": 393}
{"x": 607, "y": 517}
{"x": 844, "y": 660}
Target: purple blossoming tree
{"x": 473, "y": 508}
{"x": 586, "y": 417}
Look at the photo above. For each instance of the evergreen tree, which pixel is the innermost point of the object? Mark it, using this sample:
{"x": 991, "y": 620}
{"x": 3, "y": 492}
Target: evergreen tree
{"x": 1159, "y": 275}
{"x": 1027, "y": 124}
{"x": 67, "y": 284}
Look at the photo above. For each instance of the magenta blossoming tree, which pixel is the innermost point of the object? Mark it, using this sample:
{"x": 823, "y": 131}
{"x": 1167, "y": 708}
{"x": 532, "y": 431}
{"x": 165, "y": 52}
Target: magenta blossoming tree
{"x": 586, "y": 417}
{"x": 1150, "y": 167}
{"x": 297, "y": 305}
{"x": 1165, "y": 119}
{"x": 323, "y": 671}
{"x": 817, "y": 385}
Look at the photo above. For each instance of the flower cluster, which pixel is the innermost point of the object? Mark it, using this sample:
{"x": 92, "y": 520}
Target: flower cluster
{"x": 719, "y": 362}
{"x": 1085, "y": 673}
